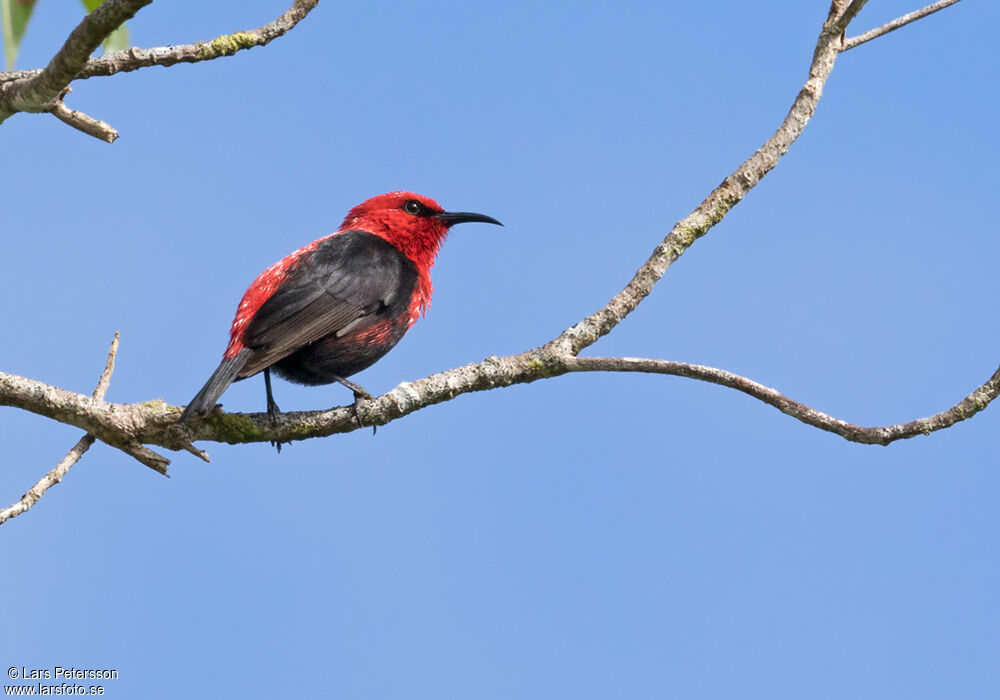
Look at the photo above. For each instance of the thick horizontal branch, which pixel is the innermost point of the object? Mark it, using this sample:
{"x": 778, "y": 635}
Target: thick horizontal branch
{"x": 972, "y": 404}
{"x": 155, "y": 422}
{"x": 895, "y": 24}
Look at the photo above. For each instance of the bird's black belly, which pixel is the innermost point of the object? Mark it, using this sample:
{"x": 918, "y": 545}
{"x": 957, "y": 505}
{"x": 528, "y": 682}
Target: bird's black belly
{"x": 331, "y": 357}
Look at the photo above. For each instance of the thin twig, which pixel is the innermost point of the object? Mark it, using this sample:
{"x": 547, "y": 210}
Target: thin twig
{"x": 83, "y": 122}
{"x": 109, "y": 366}
{"x": 199, "y": 453}
{"x": 880, "y": 435}
{"x": 154, "y": 460}
{"x": 31, "y": 497}
{"x": 134, "y": 58}
{"x": 895, "y": 24}
{"x": 226, "y": 45}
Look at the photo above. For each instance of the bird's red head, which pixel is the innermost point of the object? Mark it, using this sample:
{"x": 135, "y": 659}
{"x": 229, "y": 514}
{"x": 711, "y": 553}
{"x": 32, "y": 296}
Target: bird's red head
{"x": 415, "y": 224}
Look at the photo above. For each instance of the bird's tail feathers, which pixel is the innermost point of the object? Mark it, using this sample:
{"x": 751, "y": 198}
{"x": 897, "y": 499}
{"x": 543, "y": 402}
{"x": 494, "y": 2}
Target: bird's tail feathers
{"x": 224, "y": 375}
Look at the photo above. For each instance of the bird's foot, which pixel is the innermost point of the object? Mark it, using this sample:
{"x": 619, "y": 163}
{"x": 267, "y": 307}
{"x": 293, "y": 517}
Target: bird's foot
{"x": 272, "y": 407}
{"x": 359, "y": 393}
{"x": 360, "y": 396}
{"x": 273, "y": 412}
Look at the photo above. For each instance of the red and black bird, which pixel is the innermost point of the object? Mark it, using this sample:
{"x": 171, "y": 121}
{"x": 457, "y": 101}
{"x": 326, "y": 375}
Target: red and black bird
{"x": 337, "y": 305}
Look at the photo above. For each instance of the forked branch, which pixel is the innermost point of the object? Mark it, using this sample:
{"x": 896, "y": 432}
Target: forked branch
{"x": 895, "y": 24}
{"x": 82, "y": 122}
{"x": 41, "y": 90}
{"x": 31, "y": 496}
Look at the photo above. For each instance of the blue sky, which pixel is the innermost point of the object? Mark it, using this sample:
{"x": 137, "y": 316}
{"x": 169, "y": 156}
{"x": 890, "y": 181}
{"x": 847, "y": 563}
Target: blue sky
{"x": 589, "y": 536}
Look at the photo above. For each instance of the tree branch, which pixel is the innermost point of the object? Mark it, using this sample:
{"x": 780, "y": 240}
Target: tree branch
{"x": 134, "y": 58}
{"x": 895, "y": 24}
{"x": 104, "y": 381}
{"x": 972, "y": 404}
{"x": 226, "y": 45}
{"x": 33, "y": 494}
{"x": 155, "y": 422}
{"x": 83, "y": 122}
{"x": 38, "y": 90}
{"x": 842, "y": 13}
{"x": 31, "y": 497}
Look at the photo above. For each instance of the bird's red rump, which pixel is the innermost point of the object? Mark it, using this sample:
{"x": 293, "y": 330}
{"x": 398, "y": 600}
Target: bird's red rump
{"x": 375, "y": 334}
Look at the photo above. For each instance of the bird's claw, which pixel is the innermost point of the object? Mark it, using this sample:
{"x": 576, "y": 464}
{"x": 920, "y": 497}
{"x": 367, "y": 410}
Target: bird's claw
{"x": 272, "y": 412}
{"x": 360, "y": 396}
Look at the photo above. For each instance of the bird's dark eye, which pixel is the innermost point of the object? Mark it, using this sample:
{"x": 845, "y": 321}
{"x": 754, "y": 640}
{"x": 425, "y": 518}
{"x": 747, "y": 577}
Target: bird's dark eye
{"x": 412, "y": 206}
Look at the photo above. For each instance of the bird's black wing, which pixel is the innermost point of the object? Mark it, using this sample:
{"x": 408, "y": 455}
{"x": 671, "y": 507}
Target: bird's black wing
{"x": 346, "y": 279}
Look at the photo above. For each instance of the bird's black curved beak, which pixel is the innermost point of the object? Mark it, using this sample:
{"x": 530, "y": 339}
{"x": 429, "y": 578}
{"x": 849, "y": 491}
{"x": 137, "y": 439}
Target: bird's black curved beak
{"x": 460, "y": 217}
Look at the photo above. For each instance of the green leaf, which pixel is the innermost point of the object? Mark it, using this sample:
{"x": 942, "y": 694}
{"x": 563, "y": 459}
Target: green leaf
{"x": 16, "y": 14}
{"x": 118, "y": 39}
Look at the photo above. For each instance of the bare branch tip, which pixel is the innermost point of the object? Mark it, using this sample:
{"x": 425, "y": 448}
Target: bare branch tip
{"x": 53, "y": 477}
{"x": 156, "y": 462}
{"x": 109, "y": 367}
{"x": 895, "y": 24}
{"x": 83, "y": 122}
{"x": 200, "y": 454}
